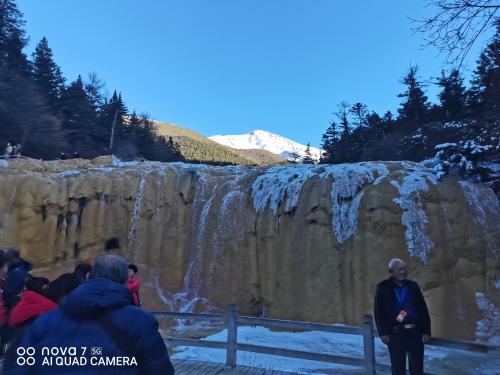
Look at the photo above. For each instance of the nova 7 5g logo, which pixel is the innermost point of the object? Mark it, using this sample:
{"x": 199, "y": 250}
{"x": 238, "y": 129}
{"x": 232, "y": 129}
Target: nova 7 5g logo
{"x": 70, "y": 356}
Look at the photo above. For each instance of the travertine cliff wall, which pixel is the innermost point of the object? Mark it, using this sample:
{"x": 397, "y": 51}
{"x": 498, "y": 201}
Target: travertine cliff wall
{"x": 307, "y": 242}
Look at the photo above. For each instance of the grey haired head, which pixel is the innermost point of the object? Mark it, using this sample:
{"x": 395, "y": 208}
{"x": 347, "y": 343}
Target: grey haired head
{"x": 393, "y": 262}
{"x": 111, "y": 267}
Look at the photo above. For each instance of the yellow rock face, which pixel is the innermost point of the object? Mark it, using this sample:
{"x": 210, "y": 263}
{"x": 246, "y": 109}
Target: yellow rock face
{"x": 306, "y": 242}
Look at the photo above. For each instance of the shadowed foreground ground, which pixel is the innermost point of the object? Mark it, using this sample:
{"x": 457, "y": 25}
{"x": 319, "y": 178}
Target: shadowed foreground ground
{"x": 185, "y": 367}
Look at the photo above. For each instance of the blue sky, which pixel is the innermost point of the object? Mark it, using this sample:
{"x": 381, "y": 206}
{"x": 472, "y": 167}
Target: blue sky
{"x": 232, "y": 66}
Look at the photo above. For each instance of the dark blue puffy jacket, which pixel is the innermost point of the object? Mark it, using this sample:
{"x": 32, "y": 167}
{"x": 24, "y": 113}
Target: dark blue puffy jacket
{"x": 78, "y": 323}
{"x": 13, "y": 286}
{"x": 19, "y": 264}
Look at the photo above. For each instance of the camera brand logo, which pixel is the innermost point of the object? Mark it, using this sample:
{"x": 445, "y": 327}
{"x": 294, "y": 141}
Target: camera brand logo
{"x": 25, "y": 356}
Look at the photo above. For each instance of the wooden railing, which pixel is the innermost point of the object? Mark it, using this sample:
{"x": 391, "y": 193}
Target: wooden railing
{"x": 232, "y": 320}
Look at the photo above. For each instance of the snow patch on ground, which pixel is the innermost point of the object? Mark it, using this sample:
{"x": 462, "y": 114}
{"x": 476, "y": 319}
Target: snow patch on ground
{"x": 438, "y": 360}
{"x": 4, "y": 163}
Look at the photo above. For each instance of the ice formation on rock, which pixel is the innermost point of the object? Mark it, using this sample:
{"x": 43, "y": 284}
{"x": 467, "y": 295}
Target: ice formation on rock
{"x": 68, "y": 173}
{"x": 348, "y": 180}
{"x": 488, "y": 328}
{"x": 139, "y": 196}
{"x": 477, "y": 201}
{"x": 280, "y": 182}
{"x": 414, "y": 217}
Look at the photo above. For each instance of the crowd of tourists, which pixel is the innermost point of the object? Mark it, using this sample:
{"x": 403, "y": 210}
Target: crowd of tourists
{"x": 96, "y": 310}
{"x": 95, "y": 306}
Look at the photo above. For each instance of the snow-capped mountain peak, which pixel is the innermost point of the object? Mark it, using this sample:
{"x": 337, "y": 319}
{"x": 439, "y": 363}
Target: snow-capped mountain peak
{"x": 265, "y": 140}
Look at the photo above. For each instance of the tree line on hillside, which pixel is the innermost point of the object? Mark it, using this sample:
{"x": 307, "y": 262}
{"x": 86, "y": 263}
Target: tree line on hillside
{"x": 50, "y": 117}
{"x": 357, "y": 134}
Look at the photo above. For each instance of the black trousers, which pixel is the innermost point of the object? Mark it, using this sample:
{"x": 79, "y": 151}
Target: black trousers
{"x": 407, "y": 341}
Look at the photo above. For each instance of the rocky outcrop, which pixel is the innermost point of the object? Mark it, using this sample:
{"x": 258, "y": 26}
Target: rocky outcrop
{"x": 307, "y": 242}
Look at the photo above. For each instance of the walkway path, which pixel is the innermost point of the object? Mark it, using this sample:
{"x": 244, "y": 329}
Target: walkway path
{"x": 185, "y": 367}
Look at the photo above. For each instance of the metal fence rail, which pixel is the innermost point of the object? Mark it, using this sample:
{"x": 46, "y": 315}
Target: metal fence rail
{"x": 232, "y": 320}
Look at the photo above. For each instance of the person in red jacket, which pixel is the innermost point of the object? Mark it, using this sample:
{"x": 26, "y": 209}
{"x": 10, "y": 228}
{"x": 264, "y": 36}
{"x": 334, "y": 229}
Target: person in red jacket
{"x": 32, "y": 303}
{"x": 134, "y": 284}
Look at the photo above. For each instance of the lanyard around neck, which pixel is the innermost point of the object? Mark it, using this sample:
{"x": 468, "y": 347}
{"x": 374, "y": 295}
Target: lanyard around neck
{"x": 402, "y": 296}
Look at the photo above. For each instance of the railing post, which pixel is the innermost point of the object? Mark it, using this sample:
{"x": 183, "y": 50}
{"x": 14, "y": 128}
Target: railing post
{"x": 232, "y": 334}
{"x": 368, "y": 344}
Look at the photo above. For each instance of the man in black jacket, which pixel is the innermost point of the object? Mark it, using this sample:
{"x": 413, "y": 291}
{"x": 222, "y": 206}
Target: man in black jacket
{"x": 402, "y": 319}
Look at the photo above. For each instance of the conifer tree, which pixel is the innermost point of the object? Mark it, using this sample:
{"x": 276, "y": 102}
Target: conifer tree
{"x": 328, "y": 145}
{"x": 25, "y": 117}
{"x": 93, "y": 88}
{"x": 344, "y": 144}
{"x": 308, "y": 159}
{"x": 374, "y": 121}
{"x": 12, "y": 38}
{"x": 342, "y": 114}
{"x": 79, "y": 119}
{"x": 388, "y": 122}
{"x": 361, "y": 132}
{"x": 452, "y": 95}
{"x": 413, "y": 111}
{"x": 154, "y": 147}
{"x": 293, "y": 157}
{"x": 485, "y": 90}
{"x": 116, "y": 105}
{"x": 47, "y": 74}
{"x": 112, "y": 119}
{"x": 359, "y": 113}
{"x": 174, "y": 146}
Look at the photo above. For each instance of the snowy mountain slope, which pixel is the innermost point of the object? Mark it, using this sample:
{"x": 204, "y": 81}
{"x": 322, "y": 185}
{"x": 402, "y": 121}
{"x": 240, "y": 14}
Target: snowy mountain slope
{"x": 196, "y": 147}
{"x": 264, "y": 140}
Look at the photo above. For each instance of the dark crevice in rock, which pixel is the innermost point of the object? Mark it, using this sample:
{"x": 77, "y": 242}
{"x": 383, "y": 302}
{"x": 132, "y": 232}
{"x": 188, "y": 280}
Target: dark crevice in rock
{"x": 81, "y": 205}
{"x": 60, "y": 221}
{"x": 76, "y": 250}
